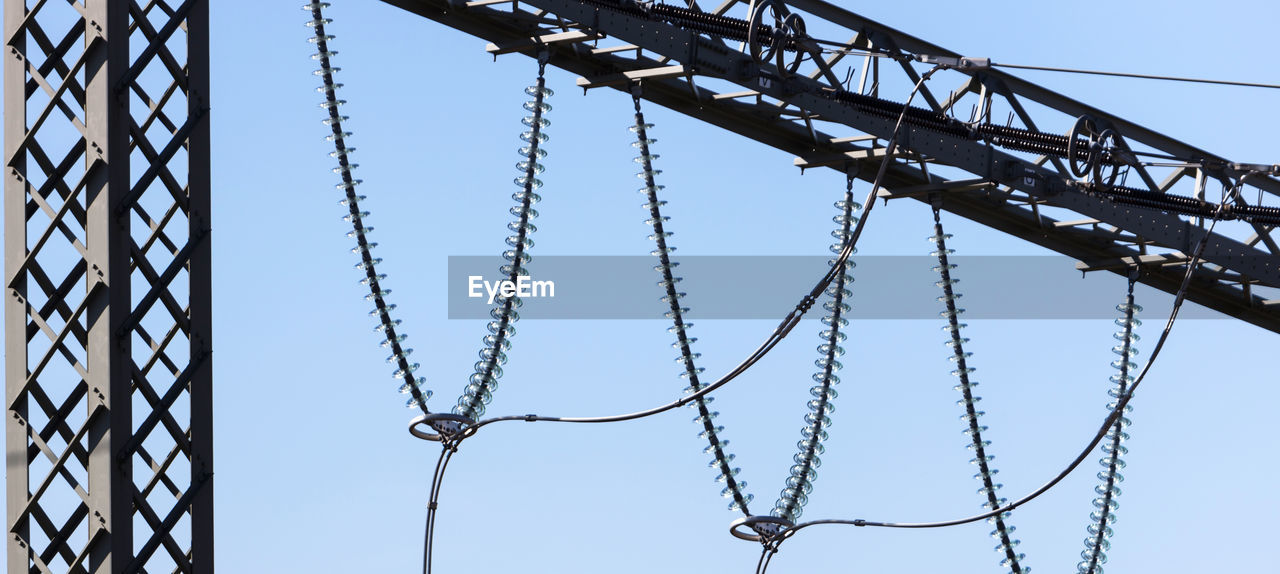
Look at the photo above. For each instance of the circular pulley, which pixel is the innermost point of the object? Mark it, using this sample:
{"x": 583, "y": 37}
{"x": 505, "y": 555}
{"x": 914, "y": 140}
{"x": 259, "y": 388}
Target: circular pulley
{"x": 767, "y": 42}
{"x": 1100, "y": 149}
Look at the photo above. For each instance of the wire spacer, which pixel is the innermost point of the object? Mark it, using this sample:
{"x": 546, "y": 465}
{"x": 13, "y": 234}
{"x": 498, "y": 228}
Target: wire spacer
{"x": 447, "y": 426}
{"x": 765, "y": 528}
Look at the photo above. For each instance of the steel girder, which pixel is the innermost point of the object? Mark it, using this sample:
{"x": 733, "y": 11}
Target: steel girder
{"x": 107, "y": 268}
{"x": 1018, "y": 193}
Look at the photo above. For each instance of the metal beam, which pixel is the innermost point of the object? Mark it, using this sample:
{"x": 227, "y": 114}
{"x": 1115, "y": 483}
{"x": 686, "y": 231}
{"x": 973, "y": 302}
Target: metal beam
{"x": 200, "y": 298}
{"x": 757, "y": 119}
{"x": 17, "y": 480}
{"x": 627, "y": 78}
{"x": 107, "y": 242}
{"x": 534, "y": 43}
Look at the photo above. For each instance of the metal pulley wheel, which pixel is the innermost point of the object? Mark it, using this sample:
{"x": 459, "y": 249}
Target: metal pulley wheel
{"x": 786, "y": 28}
{"x": 1101, "y": 144}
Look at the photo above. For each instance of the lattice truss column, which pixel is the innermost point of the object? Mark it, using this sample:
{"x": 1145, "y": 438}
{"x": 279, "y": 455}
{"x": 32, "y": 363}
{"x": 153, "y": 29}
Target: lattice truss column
{"x": 108, "y": 432}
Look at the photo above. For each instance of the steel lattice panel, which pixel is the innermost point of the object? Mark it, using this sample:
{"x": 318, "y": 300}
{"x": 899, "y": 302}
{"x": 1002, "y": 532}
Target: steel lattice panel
{"x": 107, "y": 319}
{"x": 705, "y": 71}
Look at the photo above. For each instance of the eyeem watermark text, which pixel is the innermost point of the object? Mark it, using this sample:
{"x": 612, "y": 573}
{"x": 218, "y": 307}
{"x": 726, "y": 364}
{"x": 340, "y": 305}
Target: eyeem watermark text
{"x": 523, "y": 286}
{"x": 767, "y": 287}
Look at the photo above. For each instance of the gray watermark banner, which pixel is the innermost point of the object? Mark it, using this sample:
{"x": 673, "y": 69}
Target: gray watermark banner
{"x": 768, "y": 287}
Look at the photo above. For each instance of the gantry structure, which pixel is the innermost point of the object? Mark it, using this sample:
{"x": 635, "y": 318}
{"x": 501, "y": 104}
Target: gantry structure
{"x": 992, "y": 147}
{"x": 107, "y": 259}
{"x": 108, "y": 435}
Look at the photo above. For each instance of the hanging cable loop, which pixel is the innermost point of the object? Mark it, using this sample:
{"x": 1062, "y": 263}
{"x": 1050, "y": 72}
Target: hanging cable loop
{"x": 766, "y": 556}
{"x": 1104, "y": 148}
{"x": 449, "y": 448}
{"x": 1107, "y": 424}
{"x": 784, "y": 327}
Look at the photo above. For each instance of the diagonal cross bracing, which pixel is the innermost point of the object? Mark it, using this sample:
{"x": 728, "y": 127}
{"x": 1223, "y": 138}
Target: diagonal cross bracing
{"x": 107, "y": 306}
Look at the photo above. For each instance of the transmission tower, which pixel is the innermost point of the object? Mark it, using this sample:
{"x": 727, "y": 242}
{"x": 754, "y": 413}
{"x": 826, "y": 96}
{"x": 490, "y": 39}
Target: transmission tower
{"x": 108, "y": 374}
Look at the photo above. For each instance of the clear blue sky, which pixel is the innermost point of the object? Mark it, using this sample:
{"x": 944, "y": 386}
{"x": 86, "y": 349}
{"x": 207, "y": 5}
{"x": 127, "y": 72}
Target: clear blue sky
{"x": 317, "y": 473}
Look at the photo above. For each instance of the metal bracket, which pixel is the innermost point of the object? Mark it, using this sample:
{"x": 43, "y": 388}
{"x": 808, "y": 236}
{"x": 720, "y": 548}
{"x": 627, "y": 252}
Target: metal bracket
{"x": 448, "y": 427}
{"x": 763, "y": 529}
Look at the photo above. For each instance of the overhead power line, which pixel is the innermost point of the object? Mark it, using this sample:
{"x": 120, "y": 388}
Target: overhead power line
{"x": 1139, "y": 76}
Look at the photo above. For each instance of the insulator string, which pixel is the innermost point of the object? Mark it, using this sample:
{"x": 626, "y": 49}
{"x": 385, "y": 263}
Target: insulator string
{"x": 484, "y": 381}
{"x": 734, "y": 488}
{"x": 1012, "y": 559}
{"x": 798, "y": 486}
{"x": 1097, "y": 543}
{"x": 413, "y": 385}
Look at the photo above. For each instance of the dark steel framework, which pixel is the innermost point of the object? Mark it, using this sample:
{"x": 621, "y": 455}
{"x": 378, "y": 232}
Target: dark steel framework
{"x": 107, "y": 267}
{"x": 614, "y": 43}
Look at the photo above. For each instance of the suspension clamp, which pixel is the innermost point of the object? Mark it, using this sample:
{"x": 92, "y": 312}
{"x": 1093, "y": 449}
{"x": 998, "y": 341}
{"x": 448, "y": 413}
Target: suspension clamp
{"x": 763, "y": 529}
{"x": 956, "y": 62}
{"x": 446, "y": 426}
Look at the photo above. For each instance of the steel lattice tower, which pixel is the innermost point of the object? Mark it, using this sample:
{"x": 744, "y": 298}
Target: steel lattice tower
{"x": 107, "y": 269}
